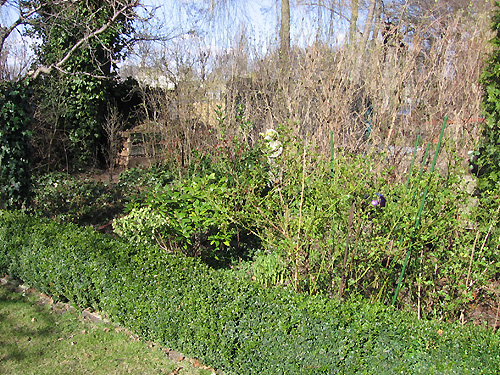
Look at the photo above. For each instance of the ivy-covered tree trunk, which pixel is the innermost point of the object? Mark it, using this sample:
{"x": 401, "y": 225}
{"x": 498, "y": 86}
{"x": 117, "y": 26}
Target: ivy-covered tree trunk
{"x": 15, "y": 134}
{"x": 489, "y": 160}
{"x": 70, "y": 111}
{"x": 72, "y": 99}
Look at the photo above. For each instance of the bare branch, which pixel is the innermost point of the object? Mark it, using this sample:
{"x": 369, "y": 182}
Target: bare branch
{"x": 121, "y": 10}
{"x": 329, "y": 8}
{"x": 21, "y": 20}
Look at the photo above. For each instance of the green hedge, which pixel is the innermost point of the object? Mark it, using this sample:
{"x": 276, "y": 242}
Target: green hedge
{"x": 228, "y": 323}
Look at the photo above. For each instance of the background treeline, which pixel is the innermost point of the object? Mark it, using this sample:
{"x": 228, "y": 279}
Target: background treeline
{"x": 374, "y": 73}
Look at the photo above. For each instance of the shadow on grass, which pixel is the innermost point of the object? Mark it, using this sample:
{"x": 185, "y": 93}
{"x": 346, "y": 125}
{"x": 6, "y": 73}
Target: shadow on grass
{"x": 37, "y": 339}
{"x": 24, "y": 328}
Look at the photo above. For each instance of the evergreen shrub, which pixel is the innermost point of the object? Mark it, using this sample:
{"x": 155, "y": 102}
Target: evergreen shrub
{"x": 15, "y": 122}
{"x": 489, "y": 155}
{"x": 228, "y": 323}
{"x": 83, "y": 201}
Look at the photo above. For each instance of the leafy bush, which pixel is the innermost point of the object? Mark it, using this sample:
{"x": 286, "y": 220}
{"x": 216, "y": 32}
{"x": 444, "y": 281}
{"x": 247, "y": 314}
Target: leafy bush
{"x": 15, "y": 121}
{"x": 180, "y": 217}
{"x": 202, "y": 213}
{"x": 319, "y": 220}
{"x": 12, "y": 231}
{"x": 489, "y": 161}
{"x": 427, "y": 249}
{"x": 136, "y": 179}
{"x": 231, "y": 324}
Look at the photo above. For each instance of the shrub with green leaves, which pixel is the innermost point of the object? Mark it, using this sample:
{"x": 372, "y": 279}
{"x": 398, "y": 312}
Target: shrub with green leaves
{"x": 489, "y": 158}
{"x": 229, "y": 323}
{"x": 15, "y": 123}
{"x": 319, "y": 221}
{"x": 182, "y": 216}
{"x": 317, "y": 229}
{"x": 82, "y": 200}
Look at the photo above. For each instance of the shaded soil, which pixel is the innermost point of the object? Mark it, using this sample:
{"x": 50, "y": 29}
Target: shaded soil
{"x": 484, "y": 309}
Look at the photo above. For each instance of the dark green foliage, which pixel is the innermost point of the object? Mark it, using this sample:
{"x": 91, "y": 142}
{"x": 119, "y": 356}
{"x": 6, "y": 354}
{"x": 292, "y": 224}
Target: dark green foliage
{"x": 69, "y": 118}
{"x": 135, "y": 180}
{"x": 489, "y": 159}
{"x": 72, "y": 103}
{"x": 15, "y": 123}
{"x": 47, "y": 255}
{"x": 13, "y": 228}
{"x": 229, "y": 323}
{"x": 82, "y": 201}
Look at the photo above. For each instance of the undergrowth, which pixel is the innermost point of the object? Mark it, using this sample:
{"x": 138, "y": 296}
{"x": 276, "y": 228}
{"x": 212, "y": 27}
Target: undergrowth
{"x": 318, "y": 225}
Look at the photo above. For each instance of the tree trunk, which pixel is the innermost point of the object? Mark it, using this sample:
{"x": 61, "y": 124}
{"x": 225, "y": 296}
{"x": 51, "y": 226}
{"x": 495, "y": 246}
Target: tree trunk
{"x": 377, "y": 21}
{"x": 353, "y": 28}
{"x": 285, "y": 28}
{"x": 370, "y": 19}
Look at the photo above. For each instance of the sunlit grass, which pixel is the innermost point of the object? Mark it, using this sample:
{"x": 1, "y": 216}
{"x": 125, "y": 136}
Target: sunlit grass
{"x": 38, "y": 339}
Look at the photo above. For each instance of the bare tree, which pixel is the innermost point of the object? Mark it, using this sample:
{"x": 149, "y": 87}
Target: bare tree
{"x": 26, "y": 13}
{"x": 369, "y": 24}
{"x": 113, "y": 127}
{"x": 353, "y": 22}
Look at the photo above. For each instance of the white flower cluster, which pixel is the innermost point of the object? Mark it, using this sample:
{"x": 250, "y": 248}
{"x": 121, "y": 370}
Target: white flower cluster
{"x": 274, "y": 148}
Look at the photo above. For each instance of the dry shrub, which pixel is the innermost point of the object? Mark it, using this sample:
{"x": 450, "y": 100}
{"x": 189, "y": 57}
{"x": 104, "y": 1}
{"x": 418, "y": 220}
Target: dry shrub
{"x": 368, "y": 97}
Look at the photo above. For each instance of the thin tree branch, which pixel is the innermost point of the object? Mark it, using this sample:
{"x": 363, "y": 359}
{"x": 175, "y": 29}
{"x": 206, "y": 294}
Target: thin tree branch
{"x": 22, "y": 20}
{"x": 332, "y": 10}
{"x": 94, "y": 34}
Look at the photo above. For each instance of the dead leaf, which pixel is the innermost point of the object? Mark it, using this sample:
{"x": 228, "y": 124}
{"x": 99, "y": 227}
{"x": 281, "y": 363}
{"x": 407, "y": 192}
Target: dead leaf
{"x": 195, "y": 363}
{"x": 175, "y": 356}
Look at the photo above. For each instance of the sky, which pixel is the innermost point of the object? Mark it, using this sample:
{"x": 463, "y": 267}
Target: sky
{"x": 258, "y": 20}
{"x": 259, "y": 17}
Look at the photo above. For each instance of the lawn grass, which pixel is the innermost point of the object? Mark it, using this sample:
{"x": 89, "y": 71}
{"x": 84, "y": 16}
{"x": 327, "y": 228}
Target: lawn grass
{"x": 40, "y": 338}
